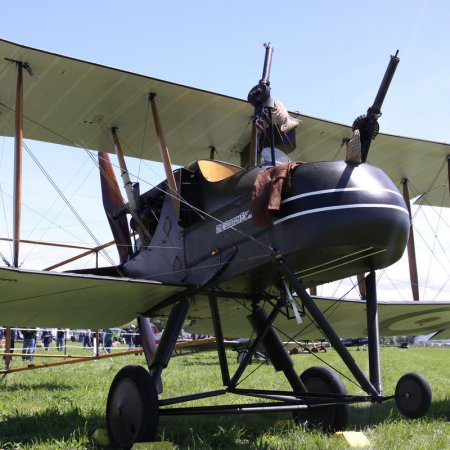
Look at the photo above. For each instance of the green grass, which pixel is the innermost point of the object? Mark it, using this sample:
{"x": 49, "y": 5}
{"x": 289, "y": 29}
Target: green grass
{"x": 61, "y": 407}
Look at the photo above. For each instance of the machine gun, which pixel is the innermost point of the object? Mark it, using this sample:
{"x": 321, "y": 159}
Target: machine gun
{"x": 367, "y": 124}
{"x": 260, "y": 93}
{"x": 259, "y": 98}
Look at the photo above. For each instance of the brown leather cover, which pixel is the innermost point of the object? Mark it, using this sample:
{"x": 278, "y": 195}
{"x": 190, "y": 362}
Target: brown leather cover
{"x": 268, "y": 188}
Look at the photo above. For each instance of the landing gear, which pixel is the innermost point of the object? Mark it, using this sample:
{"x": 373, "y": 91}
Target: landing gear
{"x": 259, "y": 356}
{"x": 413, "y": 395}
{"x": 132, "y": 412}
{"x": 317, "y": 397}
{"x": 241, "y": 355}
{"x": 323, "y": 380}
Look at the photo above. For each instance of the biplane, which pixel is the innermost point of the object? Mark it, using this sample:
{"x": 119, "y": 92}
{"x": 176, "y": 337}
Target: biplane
{"x": 231, "y": 245}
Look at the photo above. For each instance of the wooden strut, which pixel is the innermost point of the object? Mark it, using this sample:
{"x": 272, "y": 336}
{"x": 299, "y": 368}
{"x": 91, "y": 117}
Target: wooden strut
{"x": 45, "y": 355}
{"x": 18, "y": 142}
{"x": 165, "y": 155}
{"x": 50, "y": 244}
{"x": 127, "y": 184}
{"x": 448, "y": 166}
{"x": 361, "y": 285}
{"x": 55, "y": 244}
{"x": 82, "y": 255}
{"x": 313, "y": 290}
{"x": 73, "y": 360}
{"x": 17, "y": 189}
{"x": 411, "y": 246}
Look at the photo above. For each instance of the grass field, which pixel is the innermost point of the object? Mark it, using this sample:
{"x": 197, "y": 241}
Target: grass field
{"x": 61, "y": 407}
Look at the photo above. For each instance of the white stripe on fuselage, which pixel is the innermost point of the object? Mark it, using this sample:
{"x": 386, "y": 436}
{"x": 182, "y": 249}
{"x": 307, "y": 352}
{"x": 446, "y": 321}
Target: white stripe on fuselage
{"x": 334, "y": 208}
{"x": 334, "y": 191}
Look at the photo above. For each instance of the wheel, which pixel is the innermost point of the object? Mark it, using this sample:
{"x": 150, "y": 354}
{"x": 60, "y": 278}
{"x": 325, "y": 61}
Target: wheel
{"x": 413, "y": 395}
{"x": 241, "y": 355}
{"x": 132, "y": 412}
{"x": 322, "y": 380}
{"x": 263, "y": 356}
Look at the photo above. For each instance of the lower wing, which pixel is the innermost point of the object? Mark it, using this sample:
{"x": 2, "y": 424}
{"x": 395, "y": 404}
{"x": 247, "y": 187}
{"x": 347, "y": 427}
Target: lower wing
{"x": 50, "y": 299}
{"x": 347, "y": 317}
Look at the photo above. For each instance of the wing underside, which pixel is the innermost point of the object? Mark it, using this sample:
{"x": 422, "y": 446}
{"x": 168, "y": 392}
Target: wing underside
{"x": 348, "y": 318}
{"x": 50, "y": 299}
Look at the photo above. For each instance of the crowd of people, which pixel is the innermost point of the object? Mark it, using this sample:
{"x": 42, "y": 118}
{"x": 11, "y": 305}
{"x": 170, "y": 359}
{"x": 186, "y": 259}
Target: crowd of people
{"x": 129, "y": 336}
{"x": 29, "y": 337}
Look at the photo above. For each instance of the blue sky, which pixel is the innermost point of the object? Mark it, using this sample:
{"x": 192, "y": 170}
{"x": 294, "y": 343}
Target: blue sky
{"x": 328, "y": 61}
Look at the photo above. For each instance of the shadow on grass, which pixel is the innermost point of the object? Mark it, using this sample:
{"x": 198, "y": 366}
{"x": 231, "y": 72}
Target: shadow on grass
{"x": 50, "y": 424}
{"x": 244, "y": 431}
{"x": 440, "y": 409}
{"x": 373, "y": 414}
{"x": 25, "y": 386}
{"x": 214, "y": 431}
{"x": 218, "y": 431}
{"x": 196, "y": 363}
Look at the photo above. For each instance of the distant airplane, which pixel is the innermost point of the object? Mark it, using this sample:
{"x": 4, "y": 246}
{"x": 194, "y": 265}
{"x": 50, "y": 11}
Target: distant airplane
{"x": 355, "y": 342}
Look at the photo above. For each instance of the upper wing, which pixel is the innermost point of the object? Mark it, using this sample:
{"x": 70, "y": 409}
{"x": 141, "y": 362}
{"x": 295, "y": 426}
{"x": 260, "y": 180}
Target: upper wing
{"x": 50, "y": 299}
{"x": 347, "y": 317}
{"x": 75, "y": 103}
{"x": 423, "y": 163}
{"x": 72, "y": 102}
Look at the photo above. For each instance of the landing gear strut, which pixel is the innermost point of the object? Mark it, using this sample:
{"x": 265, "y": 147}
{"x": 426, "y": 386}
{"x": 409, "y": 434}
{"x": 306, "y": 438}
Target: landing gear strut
{"x": 318, "y": 396}
{"x": 412, "y": 394}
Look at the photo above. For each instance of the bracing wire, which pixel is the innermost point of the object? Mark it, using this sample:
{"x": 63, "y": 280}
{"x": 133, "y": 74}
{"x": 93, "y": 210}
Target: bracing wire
{"x": 433, "y": 227}
{"x": 67, "y": 202}
{"x": 55, "y": 224}
{"x": 6, "y": 225}
{"x": 44, "y": 216}
{"x": 199, "y": 211}
{"x": 143, "y": 136}
{"x": 294, "y": 339}
{"x": 73, "y": 144}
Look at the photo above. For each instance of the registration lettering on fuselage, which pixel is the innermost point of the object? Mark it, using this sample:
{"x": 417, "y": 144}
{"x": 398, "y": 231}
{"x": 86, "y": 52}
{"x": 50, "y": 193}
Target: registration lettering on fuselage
{"x": 230, "y": 223}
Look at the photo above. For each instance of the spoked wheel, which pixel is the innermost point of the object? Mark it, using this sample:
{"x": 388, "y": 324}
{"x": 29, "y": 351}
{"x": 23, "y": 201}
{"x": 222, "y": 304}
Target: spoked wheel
{"x": 322, "y": 380}
{"x": 132, "y": 412}
{"x": 413, "y": 395}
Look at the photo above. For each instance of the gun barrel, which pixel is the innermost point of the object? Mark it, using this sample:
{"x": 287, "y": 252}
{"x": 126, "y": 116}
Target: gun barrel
{"x": 267, "y": 63}
{"x": 384, "y": 86}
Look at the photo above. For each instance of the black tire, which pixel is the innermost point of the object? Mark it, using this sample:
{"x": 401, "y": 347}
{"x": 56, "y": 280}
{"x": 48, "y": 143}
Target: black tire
{"x": 323, "y": 380}
{"x": 413, "y": 395}
{"x": 132, "y": 412}
{"x": 241, "y": 355}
